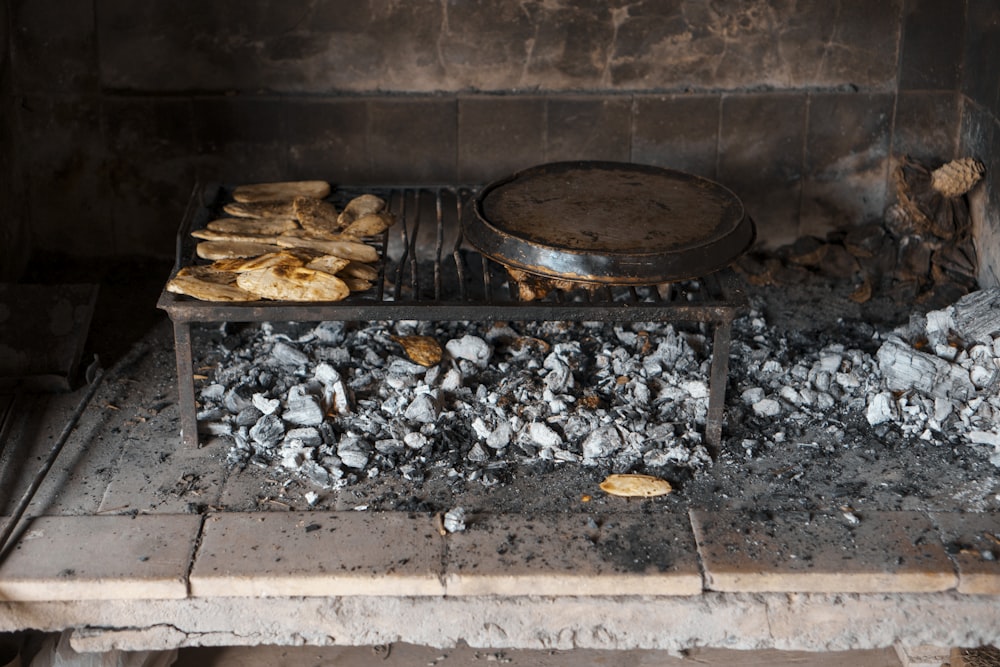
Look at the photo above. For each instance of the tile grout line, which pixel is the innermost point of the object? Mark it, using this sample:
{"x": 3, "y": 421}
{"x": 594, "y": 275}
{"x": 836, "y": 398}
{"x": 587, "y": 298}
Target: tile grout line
{"x": 194, "y": 555}
{"x": 702, "y": 570}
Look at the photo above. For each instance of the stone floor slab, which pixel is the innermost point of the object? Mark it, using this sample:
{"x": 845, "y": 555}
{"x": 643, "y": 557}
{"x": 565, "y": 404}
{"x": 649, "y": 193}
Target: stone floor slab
{"x": 973, "y": 542}
{"x": 821, "y": 553}
{"x": 318, "y": 554}
{"x": 573, "y": 554}
{"x": 99, "y": 557}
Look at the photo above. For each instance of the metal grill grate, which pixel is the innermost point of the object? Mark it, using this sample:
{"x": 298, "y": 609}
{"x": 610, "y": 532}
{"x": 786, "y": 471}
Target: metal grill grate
{"x": 429, "y": 273}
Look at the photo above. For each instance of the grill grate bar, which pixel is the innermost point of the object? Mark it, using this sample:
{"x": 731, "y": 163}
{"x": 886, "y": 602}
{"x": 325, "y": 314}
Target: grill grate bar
{"x": 459, "y": 284}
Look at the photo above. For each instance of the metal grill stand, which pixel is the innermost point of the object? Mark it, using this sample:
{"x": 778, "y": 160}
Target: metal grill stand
{"x": 432, "y": 256}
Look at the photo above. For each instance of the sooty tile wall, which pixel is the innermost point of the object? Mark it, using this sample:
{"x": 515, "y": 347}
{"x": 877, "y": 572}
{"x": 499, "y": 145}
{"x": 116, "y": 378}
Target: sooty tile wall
{"x": 114, "y": 109}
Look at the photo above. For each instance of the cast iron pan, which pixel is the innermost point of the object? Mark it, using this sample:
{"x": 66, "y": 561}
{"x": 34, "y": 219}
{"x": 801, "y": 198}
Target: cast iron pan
{"x": 611, "y": 223}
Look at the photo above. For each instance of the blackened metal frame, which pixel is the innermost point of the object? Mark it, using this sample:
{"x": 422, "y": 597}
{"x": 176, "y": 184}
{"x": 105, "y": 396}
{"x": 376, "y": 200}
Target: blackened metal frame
{"x": 429, "y": 273}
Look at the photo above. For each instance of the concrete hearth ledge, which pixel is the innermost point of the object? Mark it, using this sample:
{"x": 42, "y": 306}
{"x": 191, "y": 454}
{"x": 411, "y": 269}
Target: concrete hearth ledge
{"x": 548, "y": 581}
{"x": 398, "y": 554}
{"x": 101, "y": 558}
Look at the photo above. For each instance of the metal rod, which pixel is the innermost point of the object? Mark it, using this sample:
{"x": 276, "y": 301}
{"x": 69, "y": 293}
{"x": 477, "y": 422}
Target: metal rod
{"x": 438, "y": 244}
{"x": 39, "y": 477}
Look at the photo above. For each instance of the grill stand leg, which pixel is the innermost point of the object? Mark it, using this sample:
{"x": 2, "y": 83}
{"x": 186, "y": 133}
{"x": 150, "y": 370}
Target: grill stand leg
{"x": 185, "y": 384}
{"x": 717, "y": 385}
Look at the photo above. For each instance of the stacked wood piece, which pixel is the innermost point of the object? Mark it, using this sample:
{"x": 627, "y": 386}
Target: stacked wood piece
{"x": 922, "y": 251}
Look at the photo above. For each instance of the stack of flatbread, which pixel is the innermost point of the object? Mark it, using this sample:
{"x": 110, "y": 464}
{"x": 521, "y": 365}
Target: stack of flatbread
{"x": 284, "y": 241}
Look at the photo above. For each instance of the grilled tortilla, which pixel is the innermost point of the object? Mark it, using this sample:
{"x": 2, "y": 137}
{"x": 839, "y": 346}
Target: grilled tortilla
{"x": 281, "y": 191}
{"x": 359, "y": 206}
{"x": 228, "y": 249}
{"x": 293, "y": 283}
{"x": 281, "y": 210}
{"x": 204, "y": 283}
{"x": 252, "y": 225}
{"x": 316, "y": 215}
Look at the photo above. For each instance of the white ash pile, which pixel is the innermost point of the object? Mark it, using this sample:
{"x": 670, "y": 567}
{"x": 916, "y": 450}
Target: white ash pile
{"x": 936, "y": 379}
{"x": 798, "y": 391}
{"x": 942, "y": 374}
{"x": 338, "y": 402}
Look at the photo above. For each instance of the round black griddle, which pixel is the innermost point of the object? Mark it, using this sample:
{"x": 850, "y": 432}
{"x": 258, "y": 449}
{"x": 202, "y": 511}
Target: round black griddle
{"x": 609, "y": 223}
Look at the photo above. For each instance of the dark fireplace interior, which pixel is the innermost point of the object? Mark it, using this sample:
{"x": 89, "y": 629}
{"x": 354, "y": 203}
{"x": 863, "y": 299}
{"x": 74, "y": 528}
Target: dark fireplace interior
{"x": 114, "y": 112}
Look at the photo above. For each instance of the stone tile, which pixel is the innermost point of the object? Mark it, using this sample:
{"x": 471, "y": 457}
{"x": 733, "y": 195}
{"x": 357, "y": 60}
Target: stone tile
{"x": 66, "y": 174}
{"x": 101, "y": 558}
{"x": 981, "y": 59}
{"x": 821, "y": 553}
{"x": 925, "y": 126}
{"x": 413, "y": 140}
{"x": 973, "y": 542}
{"x": 240, "y": 140}
{"x": 846, "y": 161}
{"x": 933, "y": 36}
{"x": 678, "y": 132}
{"x": 588, "y": 128}
{"x": 54, "y": 46}
{"x": 151, "y": 142}
{"x": 760, "y": 159}
{"x": 573, "y": 554}
{"x": 318, "y": 553}
{"x": 328, "y": 140}
{"x": 499, "y": 135}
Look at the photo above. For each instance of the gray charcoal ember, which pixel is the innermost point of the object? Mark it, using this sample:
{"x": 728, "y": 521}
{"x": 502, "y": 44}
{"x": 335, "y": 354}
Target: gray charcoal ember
{"x": 293, "y": 454}
{"x": 330, "y": 333}
{"x": 471, "y": 348}
{"x": 881, "y": 409}
{"x": 286, "y": 355}
{"x": 696, "y": 388}
{"x": 404, "y": 367}
{"x": 373, "y": 360}
{"x": 390, "y": 446}
{"x": 984, "y": 438}
{"x": 477, "y": 454}
{"x": 452, "y": 380}
{"x": 268, "y": 431}
{"x": 767, "y": 407}
{"x": 601, "y": 443}
{"x": 302, "y": 408}
{"x": 415, "y": 440}
{"x": 829, "y": 361}
{"x": 559, "y": 379}
{"x": 577, "y": 426}
{"x": 752, "y": 395}
{"x": 423, "y": 409}
{"x": 543, "y": 435}
{"x": 412, "y": 473}
{"x": 212, "y": 392}
{"x": 791, "y": 394}
{"x": 400, "y": 382}
{"x": 248, "y": 416}
{"x": 238, "y": 399}
{"x": 267, "y": 406}
{"x": 454, "y": 520}
{"x": 215, "y": 428}
{"x": 807, "y": 396}
{"x": 566, "y": 456}
{"x": 905, "y": 368}
{"x": 481, "y": 428}
{"x": 500, "y": 437}
{"x": 432, "y": 375}
{"x": 335, "y": 356}
{"x": 981, "y": 376}
{"x": 211, "y": 415}
{"x": 353, "y": 451}
{"x": 977, "y": 315}
{"x": 308, "y": 436}
{"x": 319, "y": 474}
